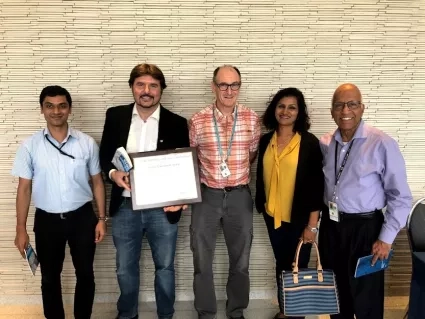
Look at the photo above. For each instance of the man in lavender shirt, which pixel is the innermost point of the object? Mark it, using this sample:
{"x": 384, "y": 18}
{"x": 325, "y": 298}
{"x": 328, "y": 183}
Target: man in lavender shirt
{"x": 364, "y": 172}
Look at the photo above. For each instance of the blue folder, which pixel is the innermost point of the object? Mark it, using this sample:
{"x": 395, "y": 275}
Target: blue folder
{"x": 364, "y": 265}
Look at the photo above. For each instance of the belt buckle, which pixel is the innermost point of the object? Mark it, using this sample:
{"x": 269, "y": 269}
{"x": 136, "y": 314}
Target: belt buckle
{"x": 227, "y": 189}
{"x": 62, "y": 216}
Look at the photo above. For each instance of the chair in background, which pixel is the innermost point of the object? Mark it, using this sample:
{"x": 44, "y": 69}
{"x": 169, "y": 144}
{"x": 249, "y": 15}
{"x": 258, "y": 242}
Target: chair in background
{"x": 416, "y": 237}
{"x": 416, "y": 226}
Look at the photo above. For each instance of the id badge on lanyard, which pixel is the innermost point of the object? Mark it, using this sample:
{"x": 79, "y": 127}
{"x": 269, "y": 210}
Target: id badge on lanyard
{"x": 333, "y": 211}
{"x": 333, "y": 206}
{"x": 224, "y": 169}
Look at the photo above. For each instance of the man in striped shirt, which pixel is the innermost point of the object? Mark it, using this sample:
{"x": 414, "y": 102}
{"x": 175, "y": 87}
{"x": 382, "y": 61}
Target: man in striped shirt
{"x": 226, "y": 136}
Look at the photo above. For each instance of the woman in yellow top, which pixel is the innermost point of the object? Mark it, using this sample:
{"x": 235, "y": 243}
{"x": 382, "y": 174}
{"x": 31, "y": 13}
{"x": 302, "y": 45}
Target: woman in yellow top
{"x": 290, "y": 182}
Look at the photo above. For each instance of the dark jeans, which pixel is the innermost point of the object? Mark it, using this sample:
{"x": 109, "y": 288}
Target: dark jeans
{"x": 52, "y": 231}
{"x": 341, "y": 244}
{"x": 284, "y": 241}
{"x": 128, "y": 229}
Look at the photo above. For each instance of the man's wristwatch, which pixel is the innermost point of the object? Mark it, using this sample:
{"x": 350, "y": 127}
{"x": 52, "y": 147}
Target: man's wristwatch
{"x": 104, "y": 218}
{"x": 313, "y": 229}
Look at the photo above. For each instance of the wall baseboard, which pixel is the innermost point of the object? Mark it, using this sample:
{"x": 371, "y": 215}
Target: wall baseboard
{"x": 113, "y": 297}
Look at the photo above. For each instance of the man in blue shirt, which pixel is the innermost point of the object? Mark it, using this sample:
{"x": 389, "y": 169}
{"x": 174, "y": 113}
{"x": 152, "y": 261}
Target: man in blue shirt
{"x": 364, "y": 172}
{"x": 54, "y": 166}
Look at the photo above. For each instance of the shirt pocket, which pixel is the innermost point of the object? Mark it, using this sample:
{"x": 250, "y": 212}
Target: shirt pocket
{"x": 80, "y": 170}
{"x": 368, "y": 172}
{"x": 243, "y": 135}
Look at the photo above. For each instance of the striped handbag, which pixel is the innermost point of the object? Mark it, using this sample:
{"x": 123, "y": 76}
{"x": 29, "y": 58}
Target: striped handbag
{"x": 305, "y": 292}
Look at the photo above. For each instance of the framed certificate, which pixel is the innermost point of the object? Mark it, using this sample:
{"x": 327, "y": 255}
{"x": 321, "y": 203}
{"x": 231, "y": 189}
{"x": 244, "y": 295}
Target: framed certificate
{"x": 164, "y": 178}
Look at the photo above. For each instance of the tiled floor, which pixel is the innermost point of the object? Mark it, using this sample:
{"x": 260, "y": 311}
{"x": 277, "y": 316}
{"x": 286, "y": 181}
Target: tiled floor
{"x": 258, "y": 309}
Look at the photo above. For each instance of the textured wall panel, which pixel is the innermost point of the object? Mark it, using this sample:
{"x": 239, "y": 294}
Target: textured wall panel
{"x": 90, "y": 47}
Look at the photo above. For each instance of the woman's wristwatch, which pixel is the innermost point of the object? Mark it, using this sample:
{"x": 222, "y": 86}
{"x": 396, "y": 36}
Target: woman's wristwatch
{"x": 313, "y": 229}
{"x": 104, "y": 218}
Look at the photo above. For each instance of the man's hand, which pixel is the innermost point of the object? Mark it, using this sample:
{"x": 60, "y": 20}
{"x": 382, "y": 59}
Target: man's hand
{"x": 172, "y": 209}
{"x": 380, "y": 250}
{"x": 21, "y": 240}
{"x": 100, "y": 231}
{"x": 121, "y": 179}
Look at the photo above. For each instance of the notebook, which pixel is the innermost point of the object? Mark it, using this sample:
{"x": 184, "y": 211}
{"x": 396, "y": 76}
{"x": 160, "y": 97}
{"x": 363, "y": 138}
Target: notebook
{"x": 364, "y": 265}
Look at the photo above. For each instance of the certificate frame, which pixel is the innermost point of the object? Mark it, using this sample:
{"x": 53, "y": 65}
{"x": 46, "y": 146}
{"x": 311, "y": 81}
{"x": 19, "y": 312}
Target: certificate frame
{"x": 192, "y": 151}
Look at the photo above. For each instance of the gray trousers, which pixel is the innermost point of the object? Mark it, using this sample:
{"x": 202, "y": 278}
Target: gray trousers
{"x": 234, "y": 211}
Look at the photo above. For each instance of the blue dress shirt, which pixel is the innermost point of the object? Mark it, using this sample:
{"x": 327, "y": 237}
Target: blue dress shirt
{"x": 60, "y": 183}
{"x": 374, "y": 177}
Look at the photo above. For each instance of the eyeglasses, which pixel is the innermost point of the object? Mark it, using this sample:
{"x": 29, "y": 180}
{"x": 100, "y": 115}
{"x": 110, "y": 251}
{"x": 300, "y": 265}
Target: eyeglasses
{"x": 224, "y": 86}
{"x": 352, "y": 105}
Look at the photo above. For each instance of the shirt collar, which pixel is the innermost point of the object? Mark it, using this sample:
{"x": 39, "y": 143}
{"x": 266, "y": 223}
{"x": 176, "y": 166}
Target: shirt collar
{"x": 70, "y": 133}
{"x": 273, "y": 141}
{"x": 292, "y": 143}
{"x": 360, "y": 133}
{"x": 154, "y": 115}
{"x": 219, "y": 116}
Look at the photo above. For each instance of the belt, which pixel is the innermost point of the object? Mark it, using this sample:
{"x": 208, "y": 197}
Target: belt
{"x": 65, "y": 215}
{"x": 359, "y": 216}
{"x": 226, "y": 189}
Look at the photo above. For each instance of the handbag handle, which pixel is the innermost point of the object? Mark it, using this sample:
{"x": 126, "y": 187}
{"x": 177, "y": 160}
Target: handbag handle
{"x": 319, "y": 264}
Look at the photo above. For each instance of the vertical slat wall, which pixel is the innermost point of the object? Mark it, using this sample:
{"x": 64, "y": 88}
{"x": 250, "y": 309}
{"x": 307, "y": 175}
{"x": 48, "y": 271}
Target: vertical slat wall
{"x": 90, "y": 47}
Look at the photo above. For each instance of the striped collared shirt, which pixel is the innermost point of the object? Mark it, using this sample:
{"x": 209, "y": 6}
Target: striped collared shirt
{"x": 60, "y": 183}
{"x": 245, "y": 142}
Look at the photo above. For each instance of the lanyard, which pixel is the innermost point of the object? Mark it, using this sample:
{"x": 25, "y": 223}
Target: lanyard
{"x": 344, "y": 161}
{"x": 231, "y": 137}
{"x": 59, "y": 148}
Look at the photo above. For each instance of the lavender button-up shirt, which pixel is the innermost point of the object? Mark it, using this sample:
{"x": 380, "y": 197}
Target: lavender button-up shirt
{"x": 373, "y": 177}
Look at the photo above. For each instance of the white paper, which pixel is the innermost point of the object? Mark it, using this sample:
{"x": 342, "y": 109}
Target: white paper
{"x": 164, "y": 178}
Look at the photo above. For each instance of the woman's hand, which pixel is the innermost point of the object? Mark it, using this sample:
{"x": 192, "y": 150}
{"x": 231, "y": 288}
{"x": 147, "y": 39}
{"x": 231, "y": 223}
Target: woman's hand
{"x": 308, "y": 235}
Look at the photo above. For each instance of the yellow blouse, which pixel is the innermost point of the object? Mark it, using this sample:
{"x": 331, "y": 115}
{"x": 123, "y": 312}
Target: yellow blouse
{"x": 279, "y": 178}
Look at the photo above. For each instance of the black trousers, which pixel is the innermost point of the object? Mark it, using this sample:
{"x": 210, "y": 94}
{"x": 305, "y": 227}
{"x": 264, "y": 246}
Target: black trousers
{"x": 341, "y": 244}
{"x": 52, "y": 231}
{"x": 284, "y": 241}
